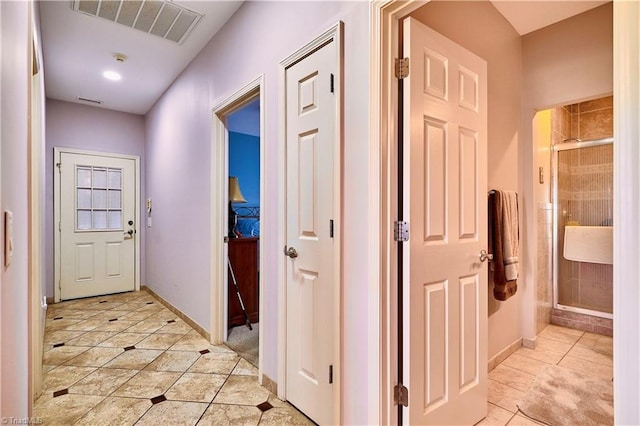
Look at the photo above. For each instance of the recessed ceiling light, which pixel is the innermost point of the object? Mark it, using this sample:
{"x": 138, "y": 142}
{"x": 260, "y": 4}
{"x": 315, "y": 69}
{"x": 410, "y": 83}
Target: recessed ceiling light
{"x": 111, "y": 75}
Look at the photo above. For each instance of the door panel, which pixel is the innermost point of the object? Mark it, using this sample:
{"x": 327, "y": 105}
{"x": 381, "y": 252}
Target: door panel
{"x": 97, "y": 202}
{"x": 310, "y": 135}
{"x": 445, "y": 200}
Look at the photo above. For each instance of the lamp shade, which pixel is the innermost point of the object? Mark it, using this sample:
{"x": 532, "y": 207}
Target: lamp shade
{"x": 235, "y": 195}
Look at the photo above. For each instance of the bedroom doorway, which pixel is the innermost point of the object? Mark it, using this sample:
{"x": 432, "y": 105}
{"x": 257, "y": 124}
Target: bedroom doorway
{"x": 243, "y": 299}
{"x": 237, "y": 194}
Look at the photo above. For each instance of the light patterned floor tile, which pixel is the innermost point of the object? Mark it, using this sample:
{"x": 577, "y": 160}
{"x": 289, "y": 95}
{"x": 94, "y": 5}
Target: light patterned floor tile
{"x": 115, "y": 411}
{"x": 231, "y": 415}
{"x": 196, "y": 387}
{"x": 148, "y": 384}
{"x": 103, "y": 381}
{"x": 173, "y": 413}
{"x": 178, "y": 361}
{"x": 512, "y": 377}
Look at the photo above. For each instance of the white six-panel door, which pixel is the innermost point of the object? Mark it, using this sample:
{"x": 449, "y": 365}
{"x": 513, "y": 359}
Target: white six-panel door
{"x": 310, "y": 138}
{"x": 445, "y": 131}
{"x": 97, "y": 196}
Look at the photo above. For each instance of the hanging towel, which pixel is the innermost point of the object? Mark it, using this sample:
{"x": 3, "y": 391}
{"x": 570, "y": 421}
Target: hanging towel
{"x": 503, "y": 242}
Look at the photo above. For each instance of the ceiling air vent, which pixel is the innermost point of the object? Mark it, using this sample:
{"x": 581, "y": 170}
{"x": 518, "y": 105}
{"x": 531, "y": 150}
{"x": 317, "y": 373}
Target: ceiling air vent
{"x": 92, "y": 101}
{"x": 161, "y": 18}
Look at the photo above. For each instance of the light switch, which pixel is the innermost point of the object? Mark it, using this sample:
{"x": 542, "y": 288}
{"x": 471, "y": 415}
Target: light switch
{"x": 8, "y": 237}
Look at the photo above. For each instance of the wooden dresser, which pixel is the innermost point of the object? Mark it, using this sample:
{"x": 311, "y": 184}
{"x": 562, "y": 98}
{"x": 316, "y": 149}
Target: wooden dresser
{"x": 243, "y": 255}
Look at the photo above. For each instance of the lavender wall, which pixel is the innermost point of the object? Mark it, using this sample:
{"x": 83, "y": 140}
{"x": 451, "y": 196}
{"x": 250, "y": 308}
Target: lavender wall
{"x": 89, "y": 128}
{"x": 14, "y": 84}
{"x": 178, "y": 151}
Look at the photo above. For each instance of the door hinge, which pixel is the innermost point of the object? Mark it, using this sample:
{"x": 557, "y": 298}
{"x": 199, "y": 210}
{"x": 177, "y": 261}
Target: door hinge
{"x": 401, "y": 395}
{"x": 402, "y": 68}
{"x": 331, "y": 83}
{"x": 330, "y": 374}
{"x": 59, "y": 226}
{"x": 331, "y": 228}
{"x": 400, "y": 230}
{"x": 59, "y": 166}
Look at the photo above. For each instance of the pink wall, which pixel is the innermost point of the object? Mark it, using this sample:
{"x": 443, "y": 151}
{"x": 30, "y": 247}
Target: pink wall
{"x": 14, "y": 85}
{"x": 480, "y": 28}
{"x": 178, "y": 150}
{"x": 71, "y": 125}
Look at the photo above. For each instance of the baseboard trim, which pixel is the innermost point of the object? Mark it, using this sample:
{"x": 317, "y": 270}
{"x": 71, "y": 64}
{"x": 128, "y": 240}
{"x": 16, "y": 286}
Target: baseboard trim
{"x": 49, "y": 300}
{"x": 184, "y": 317}
{"x": 271, "y": 385}
{"x": 529, "y": 343}
{"x": 504, "y": 354}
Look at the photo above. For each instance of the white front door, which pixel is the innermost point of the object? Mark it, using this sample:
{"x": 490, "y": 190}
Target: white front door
{"x": 310, "y": 137}
{"x": 97, "y": 229}
{"x": 445, "y": 142}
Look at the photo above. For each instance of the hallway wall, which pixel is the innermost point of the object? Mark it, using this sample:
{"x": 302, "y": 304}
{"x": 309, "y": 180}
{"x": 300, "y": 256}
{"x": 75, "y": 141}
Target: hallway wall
{"x": 178, "y": 151}
{"x": 71, "y": 125}
{"x": 15, "y": 71}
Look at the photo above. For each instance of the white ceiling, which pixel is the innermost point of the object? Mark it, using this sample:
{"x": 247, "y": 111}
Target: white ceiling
{"x": 78, "y": 48}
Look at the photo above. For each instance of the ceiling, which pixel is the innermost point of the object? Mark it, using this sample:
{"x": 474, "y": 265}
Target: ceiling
{"x": 78, "y": 48}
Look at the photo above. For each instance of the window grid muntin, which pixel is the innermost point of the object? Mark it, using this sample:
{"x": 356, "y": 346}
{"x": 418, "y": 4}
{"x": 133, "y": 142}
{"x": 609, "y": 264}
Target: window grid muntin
{"x": 98, "y": 196}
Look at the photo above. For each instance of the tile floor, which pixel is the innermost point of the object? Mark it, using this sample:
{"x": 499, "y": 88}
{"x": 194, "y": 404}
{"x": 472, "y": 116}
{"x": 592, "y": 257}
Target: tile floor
{"x": 125, "y": 359}
{"x": 588, "y": 353}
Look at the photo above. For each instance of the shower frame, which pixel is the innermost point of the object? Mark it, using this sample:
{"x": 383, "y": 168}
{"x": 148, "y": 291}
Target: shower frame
{"x": 555, "y": 149}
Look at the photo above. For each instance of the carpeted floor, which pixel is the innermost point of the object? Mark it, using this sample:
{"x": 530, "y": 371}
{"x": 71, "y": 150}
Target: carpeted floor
{"x": 561, "y": 396}
{"x": 245, "y": 342}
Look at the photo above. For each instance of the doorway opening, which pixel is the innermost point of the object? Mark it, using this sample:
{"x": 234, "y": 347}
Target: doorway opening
{"x": 237, "y": 243}
{"x": 243, "y": 126}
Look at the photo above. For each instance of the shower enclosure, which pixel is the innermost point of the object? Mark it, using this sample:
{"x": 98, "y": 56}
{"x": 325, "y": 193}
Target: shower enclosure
{"x": 583, "y": 199}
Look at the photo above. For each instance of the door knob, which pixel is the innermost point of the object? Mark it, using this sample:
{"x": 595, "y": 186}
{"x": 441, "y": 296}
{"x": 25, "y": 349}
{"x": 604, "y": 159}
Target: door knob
{"x": 484, "y": 256}
{"x": 129, "y": 233}
{"x": 291, "y": 252}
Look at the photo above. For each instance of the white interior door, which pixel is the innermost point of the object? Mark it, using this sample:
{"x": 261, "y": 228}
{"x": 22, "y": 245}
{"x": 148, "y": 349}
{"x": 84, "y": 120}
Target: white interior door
{"x": 310, "y": 136}
{"x": 97, "y": 198}
{"x": 445, "y": 128}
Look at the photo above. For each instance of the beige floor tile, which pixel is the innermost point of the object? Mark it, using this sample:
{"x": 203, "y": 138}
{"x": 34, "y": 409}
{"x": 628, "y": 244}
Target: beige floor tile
{"x": 178, "y": 361}
{"x": 65, "y": 409}
{"x": 147, "y": 384}
{"x": 61, "y": 324}
{"x": 63, "y": 377}
{"x": 284, "y": 416}
{"x": 504, "y": 396}
{"x": 163, "y": 315}
{"x": 231, "y": 415}
{"x": 158, "y": 341}
{"x": 62, "y": 354}
{"x": 215, "y": 363}
{"x": 191, "y": 341}
{"x": 107, "y": 315}
{"x": 173, "y": 413}
{"x": 561, "y": 334}
{"x": 243, "y": 390}
{"x": 525, "y": 364}
{"x": 119, "y": 325}
{"x": 591, "y": 355}
{"x": 520, "y": 420}
{"x": 587, "y": 367}
{"x": 597, "y": 343}
{"x": 135, "y": 359}
{"x": 71, "y": 314}
{"x": 553, "y": 345}
{"x": 137, "y": 316}
{"x": 244, "y": 368}
{"x": 103, "y": 381}
{"x": 85, "y": 325}
{"x": 102, "y": 305}
{"x": 95, "y": 357}
{"x": 146, "y": 326}
{"x": 496, "y": 416}
{"x": 91, "y": 338}
{"x": 60, "y": 336}
{"x": 46, "y": 368}
{"x": 122, "y": 340}
{"x": 115, "y": 411}
{"x": 196, "y": 387}
{"x": 177, "y": 327}
{"x": 512, "y": 377}
{"x": 539, "y": 354}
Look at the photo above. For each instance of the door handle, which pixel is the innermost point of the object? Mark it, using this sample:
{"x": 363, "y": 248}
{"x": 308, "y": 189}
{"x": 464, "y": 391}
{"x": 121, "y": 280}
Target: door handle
{"x": 129, "y": 233}
{"x": 291, "y": 252}
{"x": 484, "y": 256}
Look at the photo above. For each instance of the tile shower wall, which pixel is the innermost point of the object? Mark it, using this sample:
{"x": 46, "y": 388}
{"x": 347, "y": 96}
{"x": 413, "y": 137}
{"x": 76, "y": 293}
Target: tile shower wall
{"x": 585, "y": 195}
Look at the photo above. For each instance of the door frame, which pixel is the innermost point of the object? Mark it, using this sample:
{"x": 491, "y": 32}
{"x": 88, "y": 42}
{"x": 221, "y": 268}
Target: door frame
{"x": 334, "y": 33}
{"x": 219, "y": 213}
{"x": 57, "y": 152}
{"x": 383, "y": 169}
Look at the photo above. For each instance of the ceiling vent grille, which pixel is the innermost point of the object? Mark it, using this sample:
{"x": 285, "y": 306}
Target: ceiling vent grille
{"x": 161, "y": 18}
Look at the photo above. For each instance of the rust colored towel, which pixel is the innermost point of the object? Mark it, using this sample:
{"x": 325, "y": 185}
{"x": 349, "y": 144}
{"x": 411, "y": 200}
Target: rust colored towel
{"x": 503, "y": 242}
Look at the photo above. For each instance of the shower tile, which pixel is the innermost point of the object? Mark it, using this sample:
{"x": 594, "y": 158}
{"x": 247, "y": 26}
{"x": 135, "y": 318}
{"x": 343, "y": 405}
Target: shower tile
{"x": 596, "y": 124}
{"x": 592, "y": 105}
